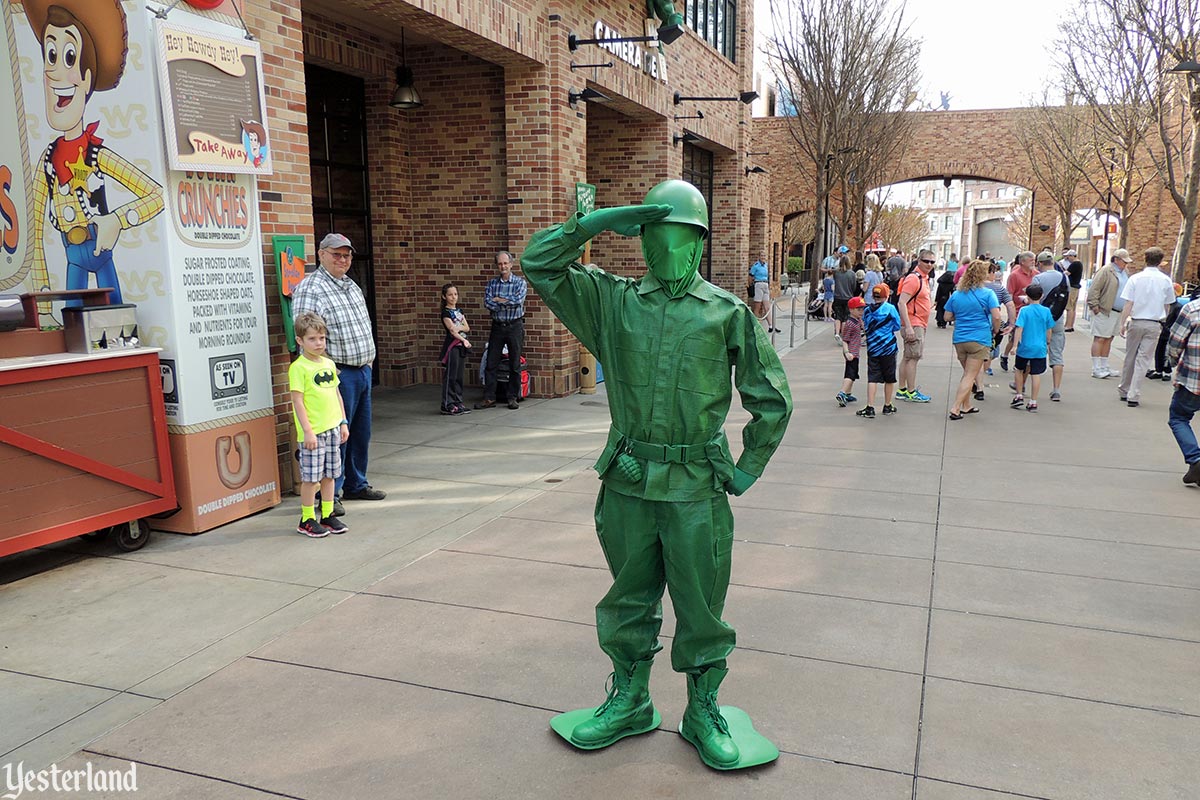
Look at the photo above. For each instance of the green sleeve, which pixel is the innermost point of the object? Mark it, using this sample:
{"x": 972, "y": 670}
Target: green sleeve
{"x": 763, "y": 386}
{"x": 573, "y": 292}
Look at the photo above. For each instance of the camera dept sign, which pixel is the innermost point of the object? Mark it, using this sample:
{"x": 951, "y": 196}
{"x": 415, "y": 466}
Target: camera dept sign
{"x": 650, "y": 62}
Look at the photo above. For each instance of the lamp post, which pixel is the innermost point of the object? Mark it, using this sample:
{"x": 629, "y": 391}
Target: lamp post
{"x": 1112, "y": 164}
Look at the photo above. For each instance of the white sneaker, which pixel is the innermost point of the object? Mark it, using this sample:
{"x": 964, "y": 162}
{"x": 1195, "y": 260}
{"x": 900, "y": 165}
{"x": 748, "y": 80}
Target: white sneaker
{"x": 1101, "y": 374}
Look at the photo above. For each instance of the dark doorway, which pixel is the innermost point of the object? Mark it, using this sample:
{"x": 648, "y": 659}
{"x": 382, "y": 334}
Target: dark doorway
{"x": 698, "y": 171}
{"x": 337, "y": 142}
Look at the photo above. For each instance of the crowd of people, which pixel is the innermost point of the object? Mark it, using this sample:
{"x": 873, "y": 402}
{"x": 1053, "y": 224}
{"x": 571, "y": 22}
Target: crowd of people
{"x": 1018, "y": 315}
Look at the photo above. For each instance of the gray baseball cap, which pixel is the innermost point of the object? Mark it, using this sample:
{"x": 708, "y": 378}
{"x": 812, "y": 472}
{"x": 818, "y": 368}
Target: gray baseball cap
{"x": 1045, "y": 258}
{"x": 333, "y": 240}
{"x": 1123, "y": 254}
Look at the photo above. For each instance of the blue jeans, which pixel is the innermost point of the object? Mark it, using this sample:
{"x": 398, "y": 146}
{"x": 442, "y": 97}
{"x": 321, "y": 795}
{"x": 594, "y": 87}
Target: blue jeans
{"x": 81, "y": 263}
{"x": 355, "y": 385}
{"x": 1184, "y": 406}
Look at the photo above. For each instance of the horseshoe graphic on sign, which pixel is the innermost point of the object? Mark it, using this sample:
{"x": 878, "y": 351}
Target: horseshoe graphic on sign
{"x": 241, "y": 443}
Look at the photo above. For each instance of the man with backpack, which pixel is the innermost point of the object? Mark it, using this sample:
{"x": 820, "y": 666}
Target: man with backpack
{"x": 914, "y": 305}
{"x": 1056, "y": 291}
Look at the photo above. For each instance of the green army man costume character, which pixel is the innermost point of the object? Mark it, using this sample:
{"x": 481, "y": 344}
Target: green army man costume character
{"x": 672, "y": 21}
{"x": 668, "y": 342}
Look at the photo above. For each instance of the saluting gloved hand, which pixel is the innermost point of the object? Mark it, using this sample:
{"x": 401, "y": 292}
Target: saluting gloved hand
{"x": 740, "y": 482}
{"x": 624, "y": 220}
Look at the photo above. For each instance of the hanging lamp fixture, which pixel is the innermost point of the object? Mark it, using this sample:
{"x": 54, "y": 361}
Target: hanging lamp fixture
{"x": 405, "y": 96}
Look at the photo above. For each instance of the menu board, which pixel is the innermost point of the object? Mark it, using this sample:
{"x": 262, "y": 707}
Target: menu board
{"x": 213, "y": 101}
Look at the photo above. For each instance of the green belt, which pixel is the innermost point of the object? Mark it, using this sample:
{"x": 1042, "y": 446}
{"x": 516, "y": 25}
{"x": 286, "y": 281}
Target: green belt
{"x": 666, "y": 453}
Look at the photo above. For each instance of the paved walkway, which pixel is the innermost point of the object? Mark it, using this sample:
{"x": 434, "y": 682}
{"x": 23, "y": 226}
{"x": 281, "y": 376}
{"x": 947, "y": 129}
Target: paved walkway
{"x": 1005, "y": 606}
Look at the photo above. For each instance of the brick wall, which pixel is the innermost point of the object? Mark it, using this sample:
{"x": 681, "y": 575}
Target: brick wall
{"x": 494, "y": 154}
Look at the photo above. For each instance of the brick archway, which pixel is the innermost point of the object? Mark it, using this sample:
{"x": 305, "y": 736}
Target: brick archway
{"x": 945, "y": 144}
{"x": 956, "y": 144}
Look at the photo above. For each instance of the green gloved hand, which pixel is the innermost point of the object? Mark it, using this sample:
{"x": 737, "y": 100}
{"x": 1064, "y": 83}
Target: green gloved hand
{"x": 740, "y": 482}
{"x": 624, "y": 220}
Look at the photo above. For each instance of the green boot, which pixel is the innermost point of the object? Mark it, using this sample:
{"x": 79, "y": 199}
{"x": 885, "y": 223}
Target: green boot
{"x": 703, "y": 724}
{"x": 627, "y": 711}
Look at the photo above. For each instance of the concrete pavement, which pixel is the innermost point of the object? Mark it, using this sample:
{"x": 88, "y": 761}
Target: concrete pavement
{"x": 1004, "y": 606}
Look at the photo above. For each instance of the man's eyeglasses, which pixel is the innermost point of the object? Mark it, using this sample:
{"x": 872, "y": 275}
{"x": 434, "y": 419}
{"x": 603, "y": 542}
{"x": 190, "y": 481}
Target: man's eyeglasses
{"x": 928, "y": 261}
{"x": 339, "y": 256}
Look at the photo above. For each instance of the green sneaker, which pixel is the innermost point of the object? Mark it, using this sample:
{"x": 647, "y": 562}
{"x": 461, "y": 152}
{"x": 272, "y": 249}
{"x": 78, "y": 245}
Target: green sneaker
{"x": 627, "y": 711}
{"x": 703, "y": 724}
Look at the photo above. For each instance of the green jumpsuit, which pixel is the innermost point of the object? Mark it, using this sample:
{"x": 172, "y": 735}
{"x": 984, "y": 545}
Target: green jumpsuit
{"x": 662, "y": 515}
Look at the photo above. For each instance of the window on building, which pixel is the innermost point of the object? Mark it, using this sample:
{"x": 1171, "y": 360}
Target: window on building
{"x": 967, "y": 195}
{"x": 936, "y": 197}
{"x": 932, "y": 225}
{"x": 698, "y": 171}
{"x": 949, "y": 223}
{"x": 983, "y": 194}
{"x": 921, "y": 196}
{"x": 950, "y": 196}
{"x": 714, "y": 21}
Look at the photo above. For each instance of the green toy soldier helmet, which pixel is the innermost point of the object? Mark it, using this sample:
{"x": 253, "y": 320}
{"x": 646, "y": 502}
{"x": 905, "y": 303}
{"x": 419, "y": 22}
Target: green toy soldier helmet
{"x": 687, "y": 204}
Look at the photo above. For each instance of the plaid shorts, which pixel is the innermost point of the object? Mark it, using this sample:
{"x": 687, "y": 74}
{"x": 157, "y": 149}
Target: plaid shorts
{"x": 323, "y": 462}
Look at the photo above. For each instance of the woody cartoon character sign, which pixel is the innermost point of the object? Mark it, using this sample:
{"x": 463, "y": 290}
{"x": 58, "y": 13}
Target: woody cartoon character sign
{"x": 83, "y": 50}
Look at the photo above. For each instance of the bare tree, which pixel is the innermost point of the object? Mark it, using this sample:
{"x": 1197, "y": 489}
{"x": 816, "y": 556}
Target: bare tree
{"x": 1103, "y": 63}
{"x": 1018, "y": 222}
{"x": 850, "y": 69}
{"x": 1171, "y": 31}
{"x": 799, "y": 230}
{"x": 901, "y": 227}
{"x": 1058, "y": 143}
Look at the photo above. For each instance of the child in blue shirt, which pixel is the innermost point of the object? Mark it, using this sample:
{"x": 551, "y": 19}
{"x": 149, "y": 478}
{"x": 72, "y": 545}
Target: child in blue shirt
{"x": 1034, "y": 327}
{"x": 881, "y": 321}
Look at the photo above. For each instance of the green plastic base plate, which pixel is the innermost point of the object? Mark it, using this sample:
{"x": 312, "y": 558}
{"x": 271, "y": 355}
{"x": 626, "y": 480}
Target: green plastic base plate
{"x": 564, "y": 724}
{"x": 755, "y": 748}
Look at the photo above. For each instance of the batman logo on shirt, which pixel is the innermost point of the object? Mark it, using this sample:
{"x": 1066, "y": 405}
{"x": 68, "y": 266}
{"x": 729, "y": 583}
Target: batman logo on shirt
{"x": 323, "y": 377}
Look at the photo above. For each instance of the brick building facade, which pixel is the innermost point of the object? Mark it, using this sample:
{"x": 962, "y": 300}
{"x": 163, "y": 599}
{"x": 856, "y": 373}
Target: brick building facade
{"x": 493, "y": 154}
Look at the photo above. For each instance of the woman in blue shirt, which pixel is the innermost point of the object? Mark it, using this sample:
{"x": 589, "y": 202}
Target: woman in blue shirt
{"x": 975, "y": 311}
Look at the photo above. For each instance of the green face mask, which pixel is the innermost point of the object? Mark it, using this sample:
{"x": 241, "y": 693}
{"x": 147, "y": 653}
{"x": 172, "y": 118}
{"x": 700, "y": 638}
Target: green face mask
{"x": 672, "y": 251}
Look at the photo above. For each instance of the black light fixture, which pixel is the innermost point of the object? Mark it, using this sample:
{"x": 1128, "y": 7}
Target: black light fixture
{"x": 755, "y": 171}
{"x": 687, "y": 137}
{"x": 587, "y": 95}
{"x": 743, "y": 97}
{"x": 1043, "y": 227}
{"x": 1187, "y": 65}
{"x": 405, "y": 96}
{"x": 601, "y": 65}
{"x": 574, "y": 42}
{"x": 698, "y": 115}
{"x": 946, "y": 181}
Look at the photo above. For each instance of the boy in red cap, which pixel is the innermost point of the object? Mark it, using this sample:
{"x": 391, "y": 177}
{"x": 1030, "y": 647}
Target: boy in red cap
{"x": 851, "y": 345}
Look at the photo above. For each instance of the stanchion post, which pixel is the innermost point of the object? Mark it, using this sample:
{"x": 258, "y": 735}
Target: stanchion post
{"x": 792, "y": 328}
{"x": 807, "y": 303}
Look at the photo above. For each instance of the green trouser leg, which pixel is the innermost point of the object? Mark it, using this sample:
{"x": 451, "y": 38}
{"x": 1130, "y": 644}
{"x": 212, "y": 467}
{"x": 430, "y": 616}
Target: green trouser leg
{"x": 650, "y": 545}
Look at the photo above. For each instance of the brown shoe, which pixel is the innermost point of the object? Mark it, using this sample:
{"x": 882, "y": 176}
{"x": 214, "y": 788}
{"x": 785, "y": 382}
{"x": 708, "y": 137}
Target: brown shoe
{"x": 512, "y": 403}
{"x": 485, "y": 404}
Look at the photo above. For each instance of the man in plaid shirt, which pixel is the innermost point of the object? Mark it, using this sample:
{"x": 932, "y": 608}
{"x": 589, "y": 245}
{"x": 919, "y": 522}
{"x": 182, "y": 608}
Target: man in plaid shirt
{"x": 504, "y": 299}
{"x": 1184, "y": 349}
{"x": 330, "y": 293}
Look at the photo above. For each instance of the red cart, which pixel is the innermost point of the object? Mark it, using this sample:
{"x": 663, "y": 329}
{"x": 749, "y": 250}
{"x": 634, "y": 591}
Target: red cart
{"x": 83, "y": 448}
